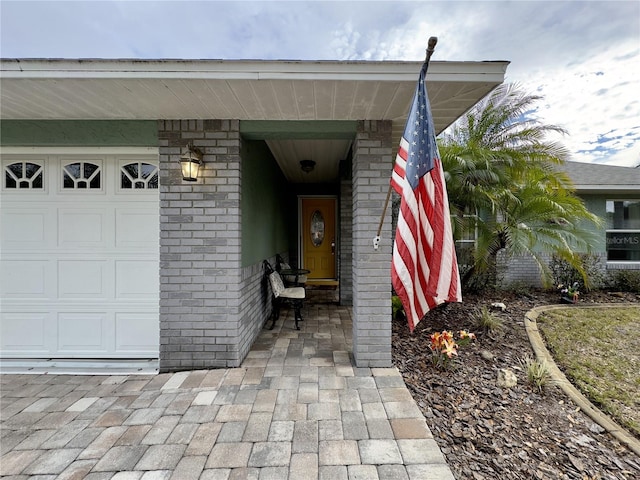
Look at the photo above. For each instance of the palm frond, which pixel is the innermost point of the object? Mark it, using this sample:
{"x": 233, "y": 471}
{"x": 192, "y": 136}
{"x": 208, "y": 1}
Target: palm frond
{"x": 499, "y": 160}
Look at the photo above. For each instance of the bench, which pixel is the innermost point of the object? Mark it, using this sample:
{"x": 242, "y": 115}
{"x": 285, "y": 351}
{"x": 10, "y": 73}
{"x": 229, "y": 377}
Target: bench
{"x": 292, "y": 295}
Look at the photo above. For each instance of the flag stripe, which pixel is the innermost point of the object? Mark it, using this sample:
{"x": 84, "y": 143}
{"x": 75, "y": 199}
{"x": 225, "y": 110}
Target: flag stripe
{"x": 424, "y": 268}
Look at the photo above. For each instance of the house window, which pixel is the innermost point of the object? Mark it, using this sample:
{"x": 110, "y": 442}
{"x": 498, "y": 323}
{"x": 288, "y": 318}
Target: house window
{"x": 23, "y": 175}
{"x": 466, "y": 239}
{"x": 81, "y": 175}
{"x": 138, "y": 175}
{"x": 623, "y": 230}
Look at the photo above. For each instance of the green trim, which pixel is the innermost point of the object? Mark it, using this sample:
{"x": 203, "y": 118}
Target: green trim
{"x": 107, "y": 133}
{"x": 298, "y": 129}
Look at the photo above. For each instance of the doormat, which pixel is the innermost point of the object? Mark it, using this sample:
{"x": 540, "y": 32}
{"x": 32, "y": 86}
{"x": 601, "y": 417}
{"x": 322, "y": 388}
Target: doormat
{"x": 322, "y": 284}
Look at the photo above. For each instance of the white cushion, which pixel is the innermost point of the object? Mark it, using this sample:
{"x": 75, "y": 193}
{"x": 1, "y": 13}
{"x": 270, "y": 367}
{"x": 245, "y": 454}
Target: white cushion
{"x": 296, "y": 293}
{"x": 276, "y": 284}
{"x": 280, "y": 291}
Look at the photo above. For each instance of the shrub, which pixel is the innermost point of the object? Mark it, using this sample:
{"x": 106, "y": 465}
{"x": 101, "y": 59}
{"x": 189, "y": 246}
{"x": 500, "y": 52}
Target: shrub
{"x": 396, "y": 307}
{"x": 538, "y": 374}
{"x": 624, "y": 280}
{"x": 564, "y": 273}
{"x": 477, "y": 281}
{"x": 489, "y": 322}
{"x": 519, "y": 287}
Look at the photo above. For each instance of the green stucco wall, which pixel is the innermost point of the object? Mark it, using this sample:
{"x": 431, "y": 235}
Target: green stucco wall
{"x": 298, "y": 129}
{"x": 596, "y": 204}
{"x": 265, "y": 217}
{"x": 269, "y": 203}
{"x": 97, "y": 133}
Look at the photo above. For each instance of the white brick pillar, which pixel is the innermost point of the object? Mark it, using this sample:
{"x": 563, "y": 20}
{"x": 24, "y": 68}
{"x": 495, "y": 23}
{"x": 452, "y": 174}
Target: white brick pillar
{"x": 372, "y": 163}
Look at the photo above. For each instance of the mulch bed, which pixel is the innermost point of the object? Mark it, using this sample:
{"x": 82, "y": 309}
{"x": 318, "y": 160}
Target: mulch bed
{"x": 487, "y": 432}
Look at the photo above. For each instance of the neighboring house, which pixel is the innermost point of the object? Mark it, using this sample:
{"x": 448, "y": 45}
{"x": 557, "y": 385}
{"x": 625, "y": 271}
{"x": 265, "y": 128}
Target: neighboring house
{"x": 613, "y": 194}
{"x": 108, "y": 254}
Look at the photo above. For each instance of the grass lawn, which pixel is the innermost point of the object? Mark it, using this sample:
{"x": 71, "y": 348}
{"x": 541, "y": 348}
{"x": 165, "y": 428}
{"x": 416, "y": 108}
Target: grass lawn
{"x": 599, "y": 351}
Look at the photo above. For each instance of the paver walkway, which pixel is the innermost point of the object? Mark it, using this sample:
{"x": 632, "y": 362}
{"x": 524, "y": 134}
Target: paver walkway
{"x": 297, "y": 409}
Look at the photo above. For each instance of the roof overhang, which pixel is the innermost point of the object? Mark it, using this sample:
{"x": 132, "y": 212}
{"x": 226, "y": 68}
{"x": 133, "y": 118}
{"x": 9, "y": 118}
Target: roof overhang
{"x": 245, "y": 90}
{"x": 95, "y": 89}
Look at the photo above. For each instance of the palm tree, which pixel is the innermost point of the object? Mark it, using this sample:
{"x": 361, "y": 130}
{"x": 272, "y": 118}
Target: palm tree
{"x": 503, "y": 179}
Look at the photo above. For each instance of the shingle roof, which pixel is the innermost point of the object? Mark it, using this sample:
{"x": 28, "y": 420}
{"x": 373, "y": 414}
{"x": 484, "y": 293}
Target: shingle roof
{"x": 595, "y": 177}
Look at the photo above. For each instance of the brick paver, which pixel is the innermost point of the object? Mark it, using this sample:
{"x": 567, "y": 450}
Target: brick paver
{"x": 296, "y": 409}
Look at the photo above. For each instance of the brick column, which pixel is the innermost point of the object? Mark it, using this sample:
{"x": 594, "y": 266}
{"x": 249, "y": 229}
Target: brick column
{"x": 372, "y": 163}
{"x": 346, "y": 242}
{"x": 200, "y": 228}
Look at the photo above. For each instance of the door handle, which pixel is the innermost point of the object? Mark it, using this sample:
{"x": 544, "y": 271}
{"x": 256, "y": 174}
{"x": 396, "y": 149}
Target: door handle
{"x": 333, "y": 247}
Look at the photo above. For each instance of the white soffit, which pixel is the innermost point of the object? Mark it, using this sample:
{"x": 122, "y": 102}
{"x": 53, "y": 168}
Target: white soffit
{"x": 244, "y": 90}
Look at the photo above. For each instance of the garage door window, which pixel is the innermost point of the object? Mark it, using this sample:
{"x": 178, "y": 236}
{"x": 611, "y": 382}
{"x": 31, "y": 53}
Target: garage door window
{"x": 23, "y": 175}
{"x": 138, "y": 175}
{"x": 81, "y": 175}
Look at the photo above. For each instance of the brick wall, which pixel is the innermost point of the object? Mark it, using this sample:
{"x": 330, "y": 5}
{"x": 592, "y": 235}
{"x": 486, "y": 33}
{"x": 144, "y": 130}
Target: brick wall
{"x": 200, "y": 228}
{"x": 346, "y": 243}
{"x": 255, "y": 307}
{"x": 372, "y": 163}
{"x": 522, "y": 269}
{"x": 518, "y": 270}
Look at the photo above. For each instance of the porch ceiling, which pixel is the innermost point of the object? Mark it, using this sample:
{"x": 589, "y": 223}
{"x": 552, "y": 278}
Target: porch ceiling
{"x": 245, "y": 90}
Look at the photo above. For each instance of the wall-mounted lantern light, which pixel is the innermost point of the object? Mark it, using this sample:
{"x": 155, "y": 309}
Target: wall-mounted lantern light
{"x": 190, "y": 162}
{"x": 307, "y": 166}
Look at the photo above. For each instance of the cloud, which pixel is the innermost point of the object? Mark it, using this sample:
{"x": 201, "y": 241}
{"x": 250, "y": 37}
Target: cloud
{"x": 582, "y": 56}
{"x": 595, "y": 100}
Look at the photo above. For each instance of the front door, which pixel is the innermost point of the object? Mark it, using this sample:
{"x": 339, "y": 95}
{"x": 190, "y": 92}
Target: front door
{"x": 319, "y": 237}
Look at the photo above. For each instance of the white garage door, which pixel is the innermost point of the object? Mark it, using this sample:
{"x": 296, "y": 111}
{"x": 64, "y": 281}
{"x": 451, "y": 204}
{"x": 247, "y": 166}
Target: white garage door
{"x": 79, "y": 256}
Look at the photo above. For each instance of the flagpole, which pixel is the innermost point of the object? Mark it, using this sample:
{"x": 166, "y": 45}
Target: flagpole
{"x": 431, "y": 46}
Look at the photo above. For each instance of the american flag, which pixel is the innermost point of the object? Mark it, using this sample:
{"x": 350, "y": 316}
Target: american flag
{"x": 424, "y": 271}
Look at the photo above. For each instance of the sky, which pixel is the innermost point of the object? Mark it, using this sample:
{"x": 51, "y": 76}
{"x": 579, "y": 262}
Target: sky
{"x": 583, "y": 57}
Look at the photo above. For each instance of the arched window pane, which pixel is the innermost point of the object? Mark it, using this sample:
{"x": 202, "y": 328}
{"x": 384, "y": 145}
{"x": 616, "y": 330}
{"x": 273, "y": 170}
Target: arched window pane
{"x": 24, "y": 175}
{"x": 139, "y": 176}
{"x": 81, "y": 175}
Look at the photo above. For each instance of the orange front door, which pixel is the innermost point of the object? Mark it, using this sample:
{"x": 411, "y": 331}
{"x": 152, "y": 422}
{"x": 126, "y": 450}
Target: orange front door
{"x": 319, "y": 237}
